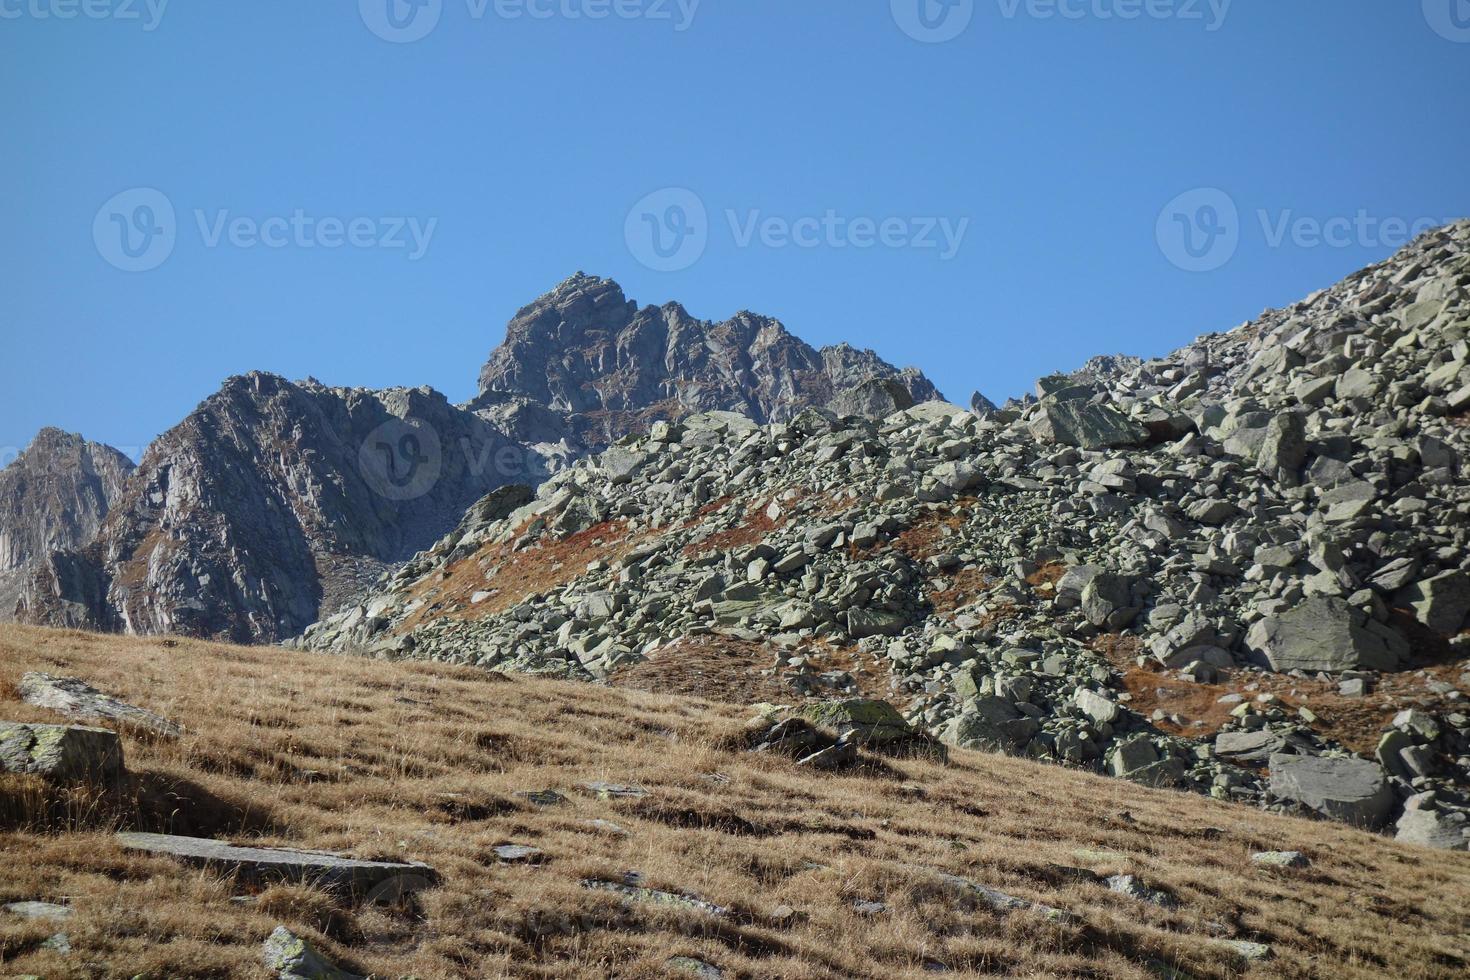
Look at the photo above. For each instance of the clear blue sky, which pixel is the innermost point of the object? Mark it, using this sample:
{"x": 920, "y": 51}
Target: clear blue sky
{"x": 1059, "y": 138}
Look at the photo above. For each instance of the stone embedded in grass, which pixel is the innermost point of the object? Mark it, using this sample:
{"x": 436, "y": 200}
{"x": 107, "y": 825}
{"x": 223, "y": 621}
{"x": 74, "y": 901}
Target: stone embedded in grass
{"x": 632, "y": 888}
{"x": 519, "y": 854}
{"x": 1133, "y": 887}
{"x": 1245, "y": 949}
{"x": 39, "y": 910}
{"x": 290, "y": 957}
{"x": 542, "y": 797}
{"x": 695, "y": 967}
{"x": 608, "y": 827}
{"x": 615, "y": 791}
{"x": 1000, "y": 901}
{"x": 1280, "y": 859}
{"x": 80, "y": 701}
{"x": 865, "y": 907}
{"x": 318, "y": 869}
{"x": 61, "y": 753}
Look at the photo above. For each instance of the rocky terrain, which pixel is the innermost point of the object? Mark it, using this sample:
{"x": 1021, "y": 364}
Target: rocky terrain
{"x": 53, "y": 497}
{"x": 275, "y": 502}
{"x": 1241, "y": 569}
{"x": 273, "y": 813}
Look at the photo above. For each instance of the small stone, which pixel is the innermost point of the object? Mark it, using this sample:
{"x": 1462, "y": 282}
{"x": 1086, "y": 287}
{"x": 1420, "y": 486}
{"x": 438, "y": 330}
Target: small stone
{"x": 1280, "y": 859}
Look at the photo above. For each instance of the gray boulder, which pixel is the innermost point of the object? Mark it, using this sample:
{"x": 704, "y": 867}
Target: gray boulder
{"x": 80, "y": 701}
{"x": 876, "y": 398}
{"x": 1431, "y": 828}
{"x": 1084, "y": 425}
{"x": 1325, "y": 633}
{"x": 290, "y": 957}
{"x": 1440, "y": 603}
{"x": 1354, "y": 791}
{"x": 66, "y": 754}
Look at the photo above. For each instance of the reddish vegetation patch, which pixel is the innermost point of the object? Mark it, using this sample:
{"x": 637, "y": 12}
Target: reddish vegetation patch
{"x": 926, "y": 537}
{"x": 755, "y": 525}
{"x": 537, "y": 570}
{"x": 1354, "y": 722}
{"x": 1047, "y": 575}
{"x": 965, "y": 586}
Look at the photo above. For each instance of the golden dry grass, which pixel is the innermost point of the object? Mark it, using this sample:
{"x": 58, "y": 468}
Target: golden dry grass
{"x": 423, "y": 761}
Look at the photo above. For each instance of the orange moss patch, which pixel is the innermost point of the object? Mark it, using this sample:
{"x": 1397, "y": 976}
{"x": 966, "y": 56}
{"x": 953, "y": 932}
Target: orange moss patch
{"x": 546, "y": 566}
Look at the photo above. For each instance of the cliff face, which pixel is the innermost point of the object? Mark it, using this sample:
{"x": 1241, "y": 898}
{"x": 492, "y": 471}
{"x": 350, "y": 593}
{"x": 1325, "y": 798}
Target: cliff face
{"x": 587, "y": 352}
{"x": 54, "y": 496}
{"x": 272, "y": 503}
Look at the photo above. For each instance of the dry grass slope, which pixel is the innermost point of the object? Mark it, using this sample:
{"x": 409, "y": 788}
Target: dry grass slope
{"x": 424, "y": 761}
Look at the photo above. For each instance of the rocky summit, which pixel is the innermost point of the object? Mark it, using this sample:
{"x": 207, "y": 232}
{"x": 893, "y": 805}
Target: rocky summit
{"x": 275, "y": 503}
{"x": 1241, "y": 569}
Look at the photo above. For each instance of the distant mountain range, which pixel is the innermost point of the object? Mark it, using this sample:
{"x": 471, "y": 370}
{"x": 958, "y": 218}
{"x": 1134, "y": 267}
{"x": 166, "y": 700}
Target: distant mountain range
{"x": 275, "y": 502}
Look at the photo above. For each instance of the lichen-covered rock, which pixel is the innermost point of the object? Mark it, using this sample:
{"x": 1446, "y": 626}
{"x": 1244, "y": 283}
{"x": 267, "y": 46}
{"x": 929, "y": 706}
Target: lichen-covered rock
{"x": 1325, "y": 633}
{"x": 61, "y": 753}
{"x": 1351, "y": 790}
{"x": 290, "y": 957}
{"x": 79, "y": 700}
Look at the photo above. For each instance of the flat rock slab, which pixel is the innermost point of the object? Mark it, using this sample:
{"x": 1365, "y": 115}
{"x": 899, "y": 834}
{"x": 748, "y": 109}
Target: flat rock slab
{"x": 61, "y": 753}
{"x": 542, "y": 797}
{"x": 520, "y": 854}
{"x": 999, "y": 900}
{"x": 615, "y": 791}
{"x": 39, "y": 910}
{"x": 632, "y": 890}
{"x": 80, "y": 701}
{"x": 263, "y": 865}
{"x": 1351, "y": 790}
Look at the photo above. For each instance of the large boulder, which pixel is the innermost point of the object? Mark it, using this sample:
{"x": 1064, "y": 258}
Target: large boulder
{"x": 1072, "y": 422}
{"x": 869, "y": 722}
{"x": 80, "y": 701}
{"x": 990, "y": 724}
{"x": 876, "y": 398}
{"x": 1440, "y": 603}
{"x": 1432, "y": 828}
{"x": 65, "y": 754}
{"x": 1354, "y": 791}
{"x": 1325, "y": 633}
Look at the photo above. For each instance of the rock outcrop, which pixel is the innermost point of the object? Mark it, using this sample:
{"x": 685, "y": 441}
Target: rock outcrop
{"x": 608, "y": 368}
{"x": 54, "y": 496}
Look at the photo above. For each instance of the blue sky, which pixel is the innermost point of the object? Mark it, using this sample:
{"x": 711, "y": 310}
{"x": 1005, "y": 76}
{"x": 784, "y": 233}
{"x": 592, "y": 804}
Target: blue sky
{"x": 1066, "y": 147}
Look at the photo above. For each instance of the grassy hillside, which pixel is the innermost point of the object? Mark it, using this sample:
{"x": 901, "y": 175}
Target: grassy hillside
{"x": 819, "y": 874}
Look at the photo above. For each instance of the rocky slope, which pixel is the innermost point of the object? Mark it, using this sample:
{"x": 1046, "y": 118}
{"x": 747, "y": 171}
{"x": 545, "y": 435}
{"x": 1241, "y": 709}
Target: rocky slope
{"x": 1227, "y": 570}
{"x": 268, "y": 505}
{"x": 275, "y": 502}
{"x": 605, "y": 368}
{"x": 54, "y": 496}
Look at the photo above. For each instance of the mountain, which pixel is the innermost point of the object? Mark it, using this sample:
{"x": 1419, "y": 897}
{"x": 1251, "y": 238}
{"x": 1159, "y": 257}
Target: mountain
{"x": 53, "y": 496}
{"x": 608, "y": 368}
{"x": 276, "y": 502}
{"x": 268, "y": 505}
{"x": 1252, "y": 553}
